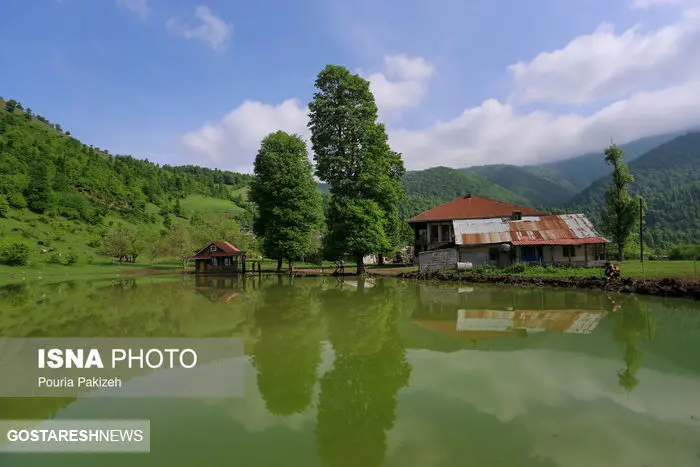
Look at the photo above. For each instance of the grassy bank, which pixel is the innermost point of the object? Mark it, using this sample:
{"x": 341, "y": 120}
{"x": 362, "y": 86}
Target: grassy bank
{"x": 650, "y": 270}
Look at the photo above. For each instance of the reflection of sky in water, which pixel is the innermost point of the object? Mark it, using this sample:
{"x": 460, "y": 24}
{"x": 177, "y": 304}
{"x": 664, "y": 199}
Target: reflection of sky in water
{"x": 223, "y": 378}
{"x": 563, "y": 406}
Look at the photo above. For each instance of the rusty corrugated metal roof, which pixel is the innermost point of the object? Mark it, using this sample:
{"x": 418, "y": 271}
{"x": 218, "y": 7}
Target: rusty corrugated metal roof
{"x": 473, "y": 207}
{"x": 563, "y": 229}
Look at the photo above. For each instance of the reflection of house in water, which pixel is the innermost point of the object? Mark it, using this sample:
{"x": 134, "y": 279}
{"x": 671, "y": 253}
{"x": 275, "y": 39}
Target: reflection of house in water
{"x": 368, "y": 283}
{"x": 568, "y": 321}
{"x": 479, "y": 313}
{"x": 485, "y": 324}
{"x": 217, "y": 289}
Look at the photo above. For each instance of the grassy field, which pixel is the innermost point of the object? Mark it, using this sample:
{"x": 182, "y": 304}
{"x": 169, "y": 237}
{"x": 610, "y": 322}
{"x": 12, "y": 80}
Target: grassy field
{"x": 59, "y": 238}
{"x": 651, "y": 270}
{"x": 209, "y": 207}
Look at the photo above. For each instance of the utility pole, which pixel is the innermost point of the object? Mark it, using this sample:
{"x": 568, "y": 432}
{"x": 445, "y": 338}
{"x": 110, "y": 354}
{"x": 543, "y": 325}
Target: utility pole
{"x": 641, "y": 233}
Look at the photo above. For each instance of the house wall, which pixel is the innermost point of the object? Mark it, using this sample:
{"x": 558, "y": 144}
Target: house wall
{"x": 555, "y": 254}
{"x": 436, "y": 260}
{"x": 481, "y": 255}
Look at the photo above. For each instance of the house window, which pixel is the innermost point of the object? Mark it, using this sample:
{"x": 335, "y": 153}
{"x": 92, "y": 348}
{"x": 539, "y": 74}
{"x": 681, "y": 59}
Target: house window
{"x": 569, "y": 251}
{"x": 517, "y": 215}
{"x": 493, "y": 254}
{"x": 433, "y": 233}
{"x": 212, "y": 248}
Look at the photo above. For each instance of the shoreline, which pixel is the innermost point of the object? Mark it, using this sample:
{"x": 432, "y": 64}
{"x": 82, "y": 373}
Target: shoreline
{"x": 661, "y": 287}
{"x": 654, "y": 286}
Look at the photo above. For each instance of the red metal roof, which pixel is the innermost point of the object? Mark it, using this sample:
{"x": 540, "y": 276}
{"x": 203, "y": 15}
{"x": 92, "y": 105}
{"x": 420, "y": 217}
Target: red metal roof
{"x": 226, "y": 246}
{"x": 474, "y": 207}
{"x": 222, "y": 249}
{"x": 563, "y": 241}
{"x": 563, "y": 229}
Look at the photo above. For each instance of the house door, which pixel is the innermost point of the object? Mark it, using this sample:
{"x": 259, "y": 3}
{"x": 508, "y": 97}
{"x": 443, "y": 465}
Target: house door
{"x": 530, "y": 254}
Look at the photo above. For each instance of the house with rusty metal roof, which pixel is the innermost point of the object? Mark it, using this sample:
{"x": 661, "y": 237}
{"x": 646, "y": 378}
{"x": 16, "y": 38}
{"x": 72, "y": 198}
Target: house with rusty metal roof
{"x": 477, "y": 230}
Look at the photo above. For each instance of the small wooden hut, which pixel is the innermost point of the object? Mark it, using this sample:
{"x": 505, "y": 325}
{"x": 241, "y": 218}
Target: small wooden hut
{"x": 218, "y": 257}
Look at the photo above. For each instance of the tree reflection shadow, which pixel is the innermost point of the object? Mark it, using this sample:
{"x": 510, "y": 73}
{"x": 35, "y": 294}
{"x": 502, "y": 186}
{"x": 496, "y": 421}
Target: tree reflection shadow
{"x": 358, "y": 396}
{"x": 632, "y": 324}
{"x": 288, "y": 351}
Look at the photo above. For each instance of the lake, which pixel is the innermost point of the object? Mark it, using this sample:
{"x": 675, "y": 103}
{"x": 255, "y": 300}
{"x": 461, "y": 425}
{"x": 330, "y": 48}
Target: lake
{"x": 384, "y": 372}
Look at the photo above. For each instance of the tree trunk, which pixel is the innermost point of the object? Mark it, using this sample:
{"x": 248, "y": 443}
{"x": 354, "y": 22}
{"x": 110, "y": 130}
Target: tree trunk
{"x": 291, "y": 267}
{"x": 360, "y": 265}
{"x": 380, "y": 259}
{"x": 279, "y": 265}
{"x": 620, "y": 252}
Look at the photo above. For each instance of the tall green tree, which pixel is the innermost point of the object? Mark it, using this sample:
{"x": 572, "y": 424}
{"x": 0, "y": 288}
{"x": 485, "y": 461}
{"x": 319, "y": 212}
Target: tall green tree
{"x": 621, "y": 212}
{"x": 353, "y": 156}
{"x": 288, "y": 201}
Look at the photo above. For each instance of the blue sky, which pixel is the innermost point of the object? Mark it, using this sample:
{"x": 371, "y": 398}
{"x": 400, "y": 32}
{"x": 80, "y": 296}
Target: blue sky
{"x": 458, "y": 82}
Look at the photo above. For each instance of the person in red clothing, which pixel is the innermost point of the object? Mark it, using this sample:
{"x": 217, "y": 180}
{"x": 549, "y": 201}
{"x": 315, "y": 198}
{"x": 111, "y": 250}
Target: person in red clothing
{"x": 611, "y": 271}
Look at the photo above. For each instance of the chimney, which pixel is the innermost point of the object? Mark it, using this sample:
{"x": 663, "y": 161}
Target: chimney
{"x": 468, "y": 195}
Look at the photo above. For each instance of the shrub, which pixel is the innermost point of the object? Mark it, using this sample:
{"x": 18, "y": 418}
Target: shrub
{"x": 15, "y": 252}
{"x": 70, "y": 259}
{"x": 4, "y": 206}
{"x": 94, "y": 242}
{"x": 483, "y": 269}
{"x": 54, "y": 258}
{"x": 17, "y": 201}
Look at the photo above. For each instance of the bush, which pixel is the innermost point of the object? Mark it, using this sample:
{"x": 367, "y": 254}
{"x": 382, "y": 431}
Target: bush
{"x": 15, "y": 252}
{"x": 4, "y": 206}
{"x": 94, "y": 242}
{"x": 17, "y": 201}
{"x": 483, "y": 269}
{"x": 686, "y": 252}
{"x": 70, "y": 259}
{"x": 54, "y": 258}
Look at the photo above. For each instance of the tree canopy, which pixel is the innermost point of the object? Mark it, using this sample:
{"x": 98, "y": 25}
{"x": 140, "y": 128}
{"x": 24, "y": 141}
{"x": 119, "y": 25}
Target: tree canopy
{"x": 353, "y": 157}
{"x": 622, "y": 211}
{"x": 287, "y": 198}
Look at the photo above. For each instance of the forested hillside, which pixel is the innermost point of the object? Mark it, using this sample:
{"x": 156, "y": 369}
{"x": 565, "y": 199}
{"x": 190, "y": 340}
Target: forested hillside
{"x": 668, "y": 177}
{"x": 581, "y": 171}
{"x": 64, "y": 202}
{"x": 539, "y": 189}
{"x": 426, "y": 189}
{"x": 46, "y": 170}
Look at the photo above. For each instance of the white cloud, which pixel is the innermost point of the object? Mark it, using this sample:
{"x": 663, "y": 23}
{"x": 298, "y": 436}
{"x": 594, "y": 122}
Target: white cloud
{"x": 490, "y": 133}
{"x": 211, "y": 29}
{"x": 498, "y": 133}
{"x": 402, "y": 83}
{"x": 651, "y": 82}
{"x": 606, "y": 65}
{"x": 234, "y": 141}
{"x": 139, "y": 7}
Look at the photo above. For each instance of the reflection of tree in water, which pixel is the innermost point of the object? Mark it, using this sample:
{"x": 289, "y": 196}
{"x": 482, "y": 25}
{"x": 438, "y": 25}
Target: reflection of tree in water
{"x": 632, "y": 324}
{"x": 15, "y": 294}
{"x": 288, "y": 351}
{"x": 358, "y": 397}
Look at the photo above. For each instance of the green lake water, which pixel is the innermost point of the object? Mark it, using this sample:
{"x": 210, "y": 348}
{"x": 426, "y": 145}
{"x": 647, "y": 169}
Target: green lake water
{"x": 389, "y": 373}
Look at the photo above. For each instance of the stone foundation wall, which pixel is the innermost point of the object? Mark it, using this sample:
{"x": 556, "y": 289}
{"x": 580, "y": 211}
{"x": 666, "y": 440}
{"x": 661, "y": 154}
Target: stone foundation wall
{"x": 437, "y": 260}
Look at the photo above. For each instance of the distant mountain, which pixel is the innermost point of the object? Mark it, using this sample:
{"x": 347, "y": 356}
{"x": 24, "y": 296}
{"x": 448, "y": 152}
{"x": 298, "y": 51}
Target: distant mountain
{"x": 668, "y": 177}
{"x": 426, "y": 189}
{"x": 581, "y": 171}
{"x": 539, "y": 189}
{"x": 554, "y": 184}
